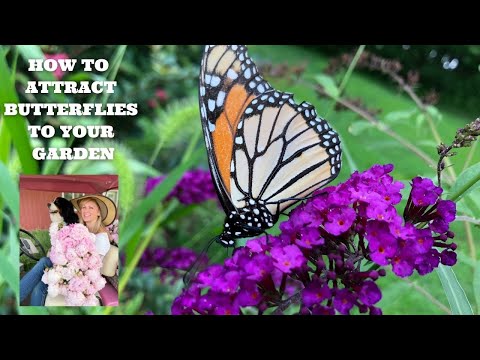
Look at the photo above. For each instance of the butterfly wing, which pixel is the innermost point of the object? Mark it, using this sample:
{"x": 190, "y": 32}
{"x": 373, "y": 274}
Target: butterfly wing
{"x": 229, "y": 81}
{"x": 282, "y": 152}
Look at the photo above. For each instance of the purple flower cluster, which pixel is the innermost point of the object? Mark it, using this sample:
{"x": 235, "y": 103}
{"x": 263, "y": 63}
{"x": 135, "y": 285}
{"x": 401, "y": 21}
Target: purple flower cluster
{"x": 319, "y": 260}
{"x": 194, "y": 187}
{"x": 172, "y": 262}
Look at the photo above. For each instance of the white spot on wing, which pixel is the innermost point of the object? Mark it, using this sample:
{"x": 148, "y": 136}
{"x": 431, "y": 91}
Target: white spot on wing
{"x": 215, "y": 81}
{"x": 211, "y": 105}
{"x": 220, "y": 98}
{"x": 211, "y": 127}
{"x": 232, "y": 74}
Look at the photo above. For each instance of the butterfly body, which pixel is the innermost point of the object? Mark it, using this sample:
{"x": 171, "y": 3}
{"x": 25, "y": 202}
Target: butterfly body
{"x": 265, "y": 151}
{"x": 251, "y": 220}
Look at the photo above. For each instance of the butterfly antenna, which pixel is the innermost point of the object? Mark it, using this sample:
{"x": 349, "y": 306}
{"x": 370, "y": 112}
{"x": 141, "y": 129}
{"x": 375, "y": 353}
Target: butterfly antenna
{"x": 199, "y": 264}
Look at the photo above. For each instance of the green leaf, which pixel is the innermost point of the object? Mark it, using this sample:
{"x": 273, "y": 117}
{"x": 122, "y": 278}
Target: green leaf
{"x": 9, "y": 272}
{"x": 434, "y": 112}
{"x": 348, "y": 155}
{"x": 467, "y": 181}
{"x": 14, "y": 252}
{"x": 5, "y": 141}
{"x": 420, "y": 120}
{"x": 137, "y": 215}
{"x": 465, "y": 259}
{"x": 53, "y": 166}
{"x": 16, "y": 124}
{"x": 126, "y": 180}
{"x": 33, "y": 310}
{"x": 455, "y": 294}
{"x": 396, "y": 116}
{"x": 9, "y": 191}
{"x": 133, "y": 305}
{"x": 112, "y": 71}
{"x": 476, "y": 285}
{"x": 329, "y": 85}
{"x": 359, "y": 126}
{"x": 35, "y": 52}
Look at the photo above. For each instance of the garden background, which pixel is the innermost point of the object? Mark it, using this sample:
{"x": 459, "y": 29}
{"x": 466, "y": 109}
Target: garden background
{"x": 390, "y": 104}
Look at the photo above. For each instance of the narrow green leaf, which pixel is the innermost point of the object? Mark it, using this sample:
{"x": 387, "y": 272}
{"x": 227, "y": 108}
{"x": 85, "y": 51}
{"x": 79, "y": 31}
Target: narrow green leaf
{"x": 133, "y": 305}
{"x": 9, "y": 272}
{"x": 455, "y": 294}
{"x": 114, "y": 62}
{"x": 328, "y": 84}
{"x": 467, "y": 181}
{"x": 476, "y": 286}
{"x": 359, "y": 126}
{"x": 434, "y": 112}
{"x": 465, "y": 259}
{"x": 16, "y": 124}
{"x": 420, "y": 120}
{"x": 33, "y": 310}
{"x": 396, "y": 116}
{"x": 135, "y": 221}
{"x": 14, "y": 250}
{"x": 350, "y": 161}
{"x": 53, "y": 166}
{"x": 9, "y": 191}
{"x": 5, "y": 141}
{"x": 126, "y": 180}
{"x": 35, "y": 52}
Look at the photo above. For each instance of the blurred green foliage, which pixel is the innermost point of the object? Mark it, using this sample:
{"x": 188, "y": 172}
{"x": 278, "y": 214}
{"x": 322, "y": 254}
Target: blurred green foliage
{"x": 451, "y": 70}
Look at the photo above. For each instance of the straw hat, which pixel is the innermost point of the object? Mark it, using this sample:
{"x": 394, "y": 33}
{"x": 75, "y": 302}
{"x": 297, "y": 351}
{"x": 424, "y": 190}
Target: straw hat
{"x": 108, "y": 210}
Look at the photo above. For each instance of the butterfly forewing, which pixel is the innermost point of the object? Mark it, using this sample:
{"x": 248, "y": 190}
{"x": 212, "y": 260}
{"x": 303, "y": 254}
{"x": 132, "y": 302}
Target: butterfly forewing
{"x": 229, "y": 81}
{"x": 282, "y": 152}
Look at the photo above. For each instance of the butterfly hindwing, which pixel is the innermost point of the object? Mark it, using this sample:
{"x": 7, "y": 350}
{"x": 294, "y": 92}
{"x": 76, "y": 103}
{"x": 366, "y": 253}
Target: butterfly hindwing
{"x": 282, "y": 152}
{"x": 229, "y": 81}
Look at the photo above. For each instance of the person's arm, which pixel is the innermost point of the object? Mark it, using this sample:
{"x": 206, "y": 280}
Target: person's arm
{"x": 102, "y": 243}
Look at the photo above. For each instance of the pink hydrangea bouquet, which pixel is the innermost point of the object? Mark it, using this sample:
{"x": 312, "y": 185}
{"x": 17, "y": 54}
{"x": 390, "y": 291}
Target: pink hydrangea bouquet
{"x": 76, "y": 266}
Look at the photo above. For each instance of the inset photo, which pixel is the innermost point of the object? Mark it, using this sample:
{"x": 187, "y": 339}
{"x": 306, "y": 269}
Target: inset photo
{"x": 68, "y": 240}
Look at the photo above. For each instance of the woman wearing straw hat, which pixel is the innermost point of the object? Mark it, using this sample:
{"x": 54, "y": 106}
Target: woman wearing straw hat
{"x": 97, "y": 212}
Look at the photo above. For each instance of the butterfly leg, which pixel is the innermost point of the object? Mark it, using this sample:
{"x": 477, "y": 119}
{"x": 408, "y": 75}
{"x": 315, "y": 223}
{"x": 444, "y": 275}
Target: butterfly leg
{"x": 267, "y": 236}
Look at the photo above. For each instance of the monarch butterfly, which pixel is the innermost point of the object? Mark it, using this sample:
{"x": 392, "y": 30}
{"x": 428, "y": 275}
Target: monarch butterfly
{"x": 265, "y": 151}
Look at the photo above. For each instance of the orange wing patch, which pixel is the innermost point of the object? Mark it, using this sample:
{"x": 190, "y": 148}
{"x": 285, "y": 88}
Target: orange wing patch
{"x": 225, "y": 128}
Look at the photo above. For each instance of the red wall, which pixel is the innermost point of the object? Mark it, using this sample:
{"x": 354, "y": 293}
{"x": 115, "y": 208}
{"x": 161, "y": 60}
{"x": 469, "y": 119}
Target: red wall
{"x": 33, "y": 209}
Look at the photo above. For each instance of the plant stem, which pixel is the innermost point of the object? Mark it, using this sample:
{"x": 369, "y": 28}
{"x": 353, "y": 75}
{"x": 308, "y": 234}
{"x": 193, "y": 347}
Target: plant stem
{"x": 346, "y": 77}
{"x": 467, "y": 219}
{"x": 285, "y": 304}
{"x": 352, "y": 66}
{"x": 429, "y": 296}
{"x": 383, "y": 128}
{"x": 410, "y": 92}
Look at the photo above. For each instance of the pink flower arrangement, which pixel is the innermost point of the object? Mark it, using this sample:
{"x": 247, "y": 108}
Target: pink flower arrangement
{"x": 76, "y": 266}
